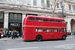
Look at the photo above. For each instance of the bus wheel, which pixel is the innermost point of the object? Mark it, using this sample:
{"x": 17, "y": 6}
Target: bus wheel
{"x": 38, "y": 38}
{"x": 63, "y": 37}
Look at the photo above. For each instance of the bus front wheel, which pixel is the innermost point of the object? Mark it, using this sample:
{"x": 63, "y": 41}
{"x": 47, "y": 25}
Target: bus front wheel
{"x": 63, "y": 37}
{"x": 39, "y": 38}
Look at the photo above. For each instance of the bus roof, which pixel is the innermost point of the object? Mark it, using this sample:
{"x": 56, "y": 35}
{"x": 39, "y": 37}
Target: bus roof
{"x": 45, "y": 17}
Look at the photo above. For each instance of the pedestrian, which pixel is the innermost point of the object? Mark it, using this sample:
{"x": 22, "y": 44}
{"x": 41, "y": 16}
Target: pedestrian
{"x": 8, "y": 34}
{"x": 16, "y": 34}
{"x": 0, "y": 34}
{"x": 74, "y": 32}
{"x": 21, "y": 33}
{"x": 13, "y": 34}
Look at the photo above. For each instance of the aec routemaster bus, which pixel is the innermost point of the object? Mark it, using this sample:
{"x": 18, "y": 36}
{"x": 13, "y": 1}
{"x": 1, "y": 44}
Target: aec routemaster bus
{"x": 42, "y": 28}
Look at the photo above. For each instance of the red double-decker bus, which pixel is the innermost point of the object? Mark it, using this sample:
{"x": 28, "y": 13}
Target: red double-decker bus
{"x": 41, "y": 28}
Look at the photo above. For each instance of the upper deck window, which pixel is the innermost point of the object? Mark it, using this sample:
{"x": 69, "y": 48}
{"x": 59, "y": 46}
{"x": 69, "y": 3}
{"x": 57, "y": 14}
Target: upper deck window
{"x": 45, "y": 20}
{"x": 31, "y": 18}
{"x": 38, "y": 19}
{"x": 51, "y": 20}
{"x": 62, "y": 21}
{"x": 58, "y": 21}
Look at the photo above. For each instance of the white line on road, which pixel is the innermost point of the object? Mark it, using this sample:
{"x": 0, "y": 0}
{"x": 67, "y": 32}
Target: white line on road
{"x": 22, "y": 48}
{"x": 66, "y": 46}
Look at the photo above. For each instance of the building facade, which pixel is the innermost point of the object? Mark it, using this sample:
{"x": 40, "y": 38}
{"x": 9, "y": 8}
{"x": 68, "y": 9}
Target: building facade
{"x": 13, "y": 12}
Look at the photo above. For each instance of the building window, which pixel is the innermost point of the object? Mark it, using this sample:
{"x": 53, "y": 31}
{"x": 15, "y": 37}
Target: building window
{"x": 42, "y": 3}
{"x": 35, "y": 2}
{"x": 19, "y": 1}
{"x": 11, "y": 16}
{"x": 15, "y": 16}
{"x": 48, "y": 3}
{"x": 61, "y": 4}
{"x": 1, "y": 0}
{"x": 70, "y": 7}
{"x": 73, "y": 8}
{"x": 1, "y": 15}
{"x": 12, "y": 1}
{"x": 28, "y": 2}
{"x": 57, "y": 5}
{"x": 19, "y": 16}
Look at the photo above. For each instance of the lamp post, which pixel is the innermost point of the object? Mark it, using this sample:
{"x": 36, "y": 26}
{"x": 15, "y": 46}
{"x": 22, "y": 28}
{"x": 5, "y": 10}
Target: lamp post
{"x": 63, "y": 9}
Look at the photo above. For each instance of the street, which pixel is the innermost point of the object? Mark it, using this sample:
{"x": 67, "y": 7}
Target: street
{"x": 68, "y": 44}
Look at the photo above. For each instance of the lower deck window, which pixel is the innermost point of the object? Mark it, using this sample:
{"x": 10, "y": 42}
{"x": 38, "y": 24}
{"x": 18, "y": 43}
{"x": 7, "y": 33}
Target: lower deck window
{"x": 52, "y": 30}
{"x": 45, "y": 30}
{"x": 38, "y": 30}
{"x": 58, "y": 30}
{"x": 63, "y": 29}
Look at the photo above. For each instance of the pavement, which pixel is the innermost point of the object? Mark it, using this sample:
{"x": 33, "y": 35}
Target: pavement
{"x": 6, "y": 39}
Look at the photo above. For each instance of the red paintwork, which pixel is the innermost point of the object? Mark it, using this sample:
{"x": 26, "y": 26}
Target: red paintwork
{"x": 30, "y": 32}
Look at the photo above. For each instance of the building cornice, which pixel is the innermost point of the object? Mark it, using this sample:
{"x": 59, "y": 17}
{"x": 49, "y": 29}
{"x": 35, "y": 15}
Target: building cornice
{"x": 25, "y": 8}
{"x": 70, "y": 2}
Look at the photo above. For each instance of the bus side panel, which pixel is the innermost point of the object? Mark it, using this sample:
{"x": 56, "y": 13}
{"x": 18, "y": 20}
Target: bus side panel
{"x": 58, "y": 35}
{"x": 29, "y": 33}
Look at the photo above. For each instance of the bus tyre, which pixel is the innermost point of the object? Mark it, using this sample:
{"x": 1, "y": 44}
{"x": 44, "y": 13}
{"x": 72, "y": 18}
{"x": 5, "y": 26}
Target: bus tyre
{"x": 38, "y": 38}
{"x": 63, "y": 37}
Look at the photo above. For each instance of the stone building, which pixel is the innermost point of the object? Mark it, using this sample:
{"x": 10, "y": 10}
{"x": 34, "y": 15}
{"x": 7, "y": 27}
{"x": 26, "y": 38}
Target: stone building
{"x": 13, "y": 12}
